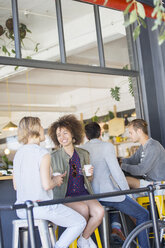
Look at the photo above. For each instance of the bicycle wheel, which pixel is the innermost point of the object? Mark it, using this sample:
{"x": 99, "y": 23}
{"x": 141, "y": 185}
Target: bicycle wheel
{"x": 131, "y": 240}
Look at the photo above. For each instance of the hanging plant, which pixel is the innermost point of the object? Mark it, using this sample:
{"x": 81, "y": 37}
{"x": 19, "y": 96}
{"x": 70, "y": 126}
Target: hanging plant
{"x": 130, "y": 82}
{"x": 8, "y": 31}
{"x": 95, "y": 118}
{"x": 115, "y": 93}
{"x": 130, "y": 86}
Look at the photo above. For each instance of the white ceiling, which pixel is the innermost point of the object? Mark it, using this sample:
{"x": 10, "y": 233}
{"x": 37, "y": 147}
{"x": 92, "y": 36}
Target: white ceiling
{"x": 47, "y": 93}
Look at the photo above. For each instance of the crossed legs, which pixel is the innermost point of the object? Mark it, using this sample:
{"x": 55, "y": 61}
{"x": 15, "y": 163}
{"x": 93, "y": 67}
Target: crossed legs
{"x": 92, "y": 211}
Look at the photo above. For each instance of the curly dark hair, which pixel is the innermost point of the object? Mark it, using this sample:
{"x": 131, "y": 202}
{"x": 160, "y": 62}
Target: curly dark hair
{"x": 71, "y": 123}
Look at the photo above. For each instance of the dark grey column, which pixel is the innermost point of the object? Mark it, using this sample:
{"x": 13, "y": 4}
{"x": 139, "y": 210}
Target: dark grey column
{"x": 151, "y": 60}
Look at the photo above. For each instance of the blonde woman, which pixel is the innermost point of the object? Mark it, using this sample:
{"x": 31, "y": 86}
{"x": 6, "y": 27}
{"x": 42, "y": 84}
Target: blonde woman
{"x": 66, "y": 133}
{"x": 33, "y": 180}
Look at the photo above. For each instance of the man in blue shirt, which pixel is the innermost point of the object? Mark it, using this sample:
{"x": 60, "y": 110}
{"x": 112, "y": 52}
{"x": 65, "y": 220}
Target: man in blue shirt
{"x": 108, "y": 177}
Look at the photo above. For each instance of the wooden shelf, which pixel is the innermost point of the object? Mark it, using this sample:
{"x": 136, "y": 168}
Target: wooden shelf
{"x": 6, "y": 178}
{"x": 123, "y": 142}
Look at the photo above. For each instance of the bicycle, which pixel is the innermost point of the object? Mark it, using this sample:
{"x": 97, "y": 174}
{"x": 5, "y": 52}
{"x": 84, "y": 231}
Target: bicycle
{"x": 131, "y": 240}
{"x": 157, "y": 226}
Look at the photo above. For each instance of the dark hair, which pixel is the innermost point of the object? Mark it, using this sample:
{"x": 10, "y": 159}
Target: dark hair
{"x": 92, "y": 130}
{"x": 71, "y": 123}
{"x": 139, "y": 124}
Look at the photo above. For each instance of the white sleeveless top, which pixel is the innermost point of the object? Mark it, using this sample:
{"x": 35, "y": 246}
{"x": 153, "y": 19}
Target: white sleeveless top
{"x": 26, "y": 170}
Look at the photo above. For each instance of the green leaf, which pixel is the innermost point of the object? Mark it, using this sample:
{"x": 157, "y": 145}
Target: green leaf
{"x": 29, "y": 31}
{"x": 13, "y": 51}
{"x": 28, "y": 57}
{"x": 141, "y": 10}
{"x": 36, "y": 47}
{"x": 130, "y": 86}
{"x": 111, "y": 115}
{"x": 95, "y": 118}
{"x": 161, "y": 38}
{"x": 115, "y": 93}
{"x": 126, "y": 23}
{"x": 16, "y": 67}
{"x": 133, "y": 17}
{"x": 136, "y": 32}
{"x": 125, "y": 67}
{"x": 4, "y": 49}
{"x": 143, "y": 22}
{"x": 127, "y": 9}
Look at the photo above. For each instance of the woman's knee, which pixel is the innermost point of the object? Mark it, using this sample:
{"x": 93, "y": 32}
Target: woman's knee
{"x": 84, "y": 211}
{"x": 98, "y": 213}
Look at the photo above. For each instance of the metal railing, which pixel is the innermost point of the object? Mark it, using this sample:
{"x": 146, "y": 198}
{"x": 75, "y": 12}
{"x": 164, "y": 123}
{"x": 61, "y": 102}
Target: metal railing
{"x": 28, "y": 205}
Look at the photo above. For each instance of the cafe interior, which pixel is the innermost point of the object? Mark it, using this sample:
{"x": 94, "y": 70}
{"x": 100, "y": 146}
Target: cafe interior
{"x": 49, "y": 94}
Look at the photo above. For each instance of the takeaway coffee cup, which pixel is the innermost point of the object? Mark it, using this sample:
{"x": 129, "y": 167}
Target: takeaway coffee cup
{"x": 87, "y": 167}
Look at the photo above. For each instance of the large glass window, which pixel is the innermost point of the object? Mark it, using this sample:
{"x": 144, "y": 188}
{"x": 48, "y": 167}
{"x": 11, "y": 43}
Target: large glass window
{"x": 114, "y": 38}
{"x": 40, "y": 38}
{"x": 80, "y": 33}
{"x": 6, "y": 32}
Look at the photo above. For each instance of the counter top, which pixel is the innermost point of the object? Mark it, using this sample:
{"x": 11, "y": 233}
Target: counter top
{"x": 6, "y": 177}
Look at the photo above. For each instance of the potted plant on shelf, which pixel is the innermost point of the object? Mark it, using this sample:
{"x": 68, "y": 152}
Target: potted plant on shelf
{"x": 7, "y": 165}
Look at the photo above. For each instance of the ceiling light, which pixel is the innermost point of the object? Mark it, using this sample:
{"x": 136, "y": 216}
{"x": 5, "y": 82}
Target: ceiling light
{"x": 133, "y": 114}
{"x": 9, "y": 127}
{"x": 7, "y": 151}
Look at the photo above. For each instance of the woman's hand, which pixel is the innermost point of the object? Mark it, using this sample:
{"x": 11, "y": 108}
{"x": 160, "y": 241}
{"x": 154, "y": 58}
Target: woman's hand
{"x": 59, "y": 179}
{"x": 91, "y": 170}
{"x": 90, "y": 178}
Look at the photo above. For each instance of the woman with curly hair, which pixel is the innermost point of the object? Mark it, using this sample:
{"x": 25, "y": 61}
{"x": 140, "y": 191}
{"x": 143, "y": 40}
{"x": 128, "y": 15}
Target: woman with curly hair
{"x": 67, "y": 132}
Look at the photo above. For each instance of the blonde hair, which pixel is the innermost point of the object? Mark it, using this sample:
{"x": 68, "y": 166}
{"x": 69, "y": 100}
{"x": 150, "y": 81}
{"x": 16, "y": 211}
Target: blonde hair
{"x": 28, "y": 127}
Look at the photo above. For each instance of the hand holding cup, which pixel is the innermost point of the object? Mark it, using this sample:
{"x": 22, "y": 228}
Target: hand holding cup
{"x": 88, "y": 170}
{"x": 59, "y": 178}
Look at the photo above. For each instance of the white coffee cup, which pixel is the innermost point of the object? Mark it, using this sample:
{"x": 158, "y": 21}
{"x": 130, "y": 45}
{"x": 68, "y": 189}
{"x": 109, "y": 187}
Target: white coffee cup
{"x": 56, "y": 174}
{"x": 87, "y": 167}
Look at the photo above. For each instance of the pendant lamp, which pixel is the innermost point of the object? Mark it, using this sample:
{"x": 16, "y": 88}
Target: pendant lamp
{"x": 10, "y": 126}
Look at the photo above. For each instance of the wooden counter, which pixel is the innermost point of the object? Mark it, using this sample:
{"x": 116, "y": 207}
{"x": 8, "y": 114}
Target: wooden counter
{"x": 6, "y": 177}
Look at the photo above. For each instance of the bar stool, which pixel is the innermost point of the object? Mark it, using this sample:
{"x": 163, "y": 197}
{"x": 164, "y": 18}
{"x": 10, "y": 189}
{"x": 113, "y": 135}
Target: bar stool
{"x": 105, "y": 225}
{"x": 46, "y": 231}
{"x": 74, "y": 243}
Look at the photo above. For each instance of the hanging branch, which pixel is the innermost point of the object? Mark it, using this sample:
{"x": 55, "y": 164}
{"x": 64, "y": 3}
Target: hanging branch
{"x": 130, "y": 82}
{"x": 115, "y": 93}
{"x": 159, "y": 12}
{"x": 137, "y": 13}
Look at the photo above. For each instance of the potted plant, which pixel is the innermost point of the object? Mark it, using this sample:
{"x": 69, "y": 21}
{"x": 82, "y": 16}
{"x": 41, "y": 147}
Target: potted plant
{"x": 7, "y": 164}
{"x": 8, "y": 31}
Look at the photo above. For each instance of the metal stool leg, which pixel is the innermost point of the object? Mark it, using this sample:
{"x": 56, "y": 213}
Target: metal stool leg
{"x": 105, "y": 230}
{"x": 15, "y": 238}
{"x": 23, "y": 237}
{"x": 52, "y": 230}
{"x": 44, "y": 234}
{"x": 124, "y": 224}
